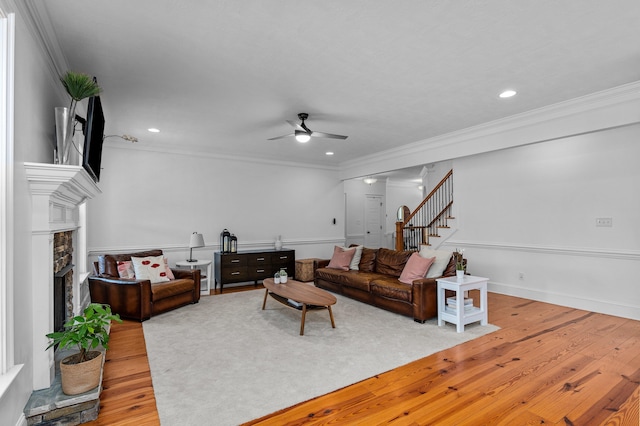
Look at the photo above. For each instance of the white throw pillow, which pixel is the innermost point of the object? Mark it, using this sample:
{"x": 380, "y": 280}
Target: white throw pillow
{"x": 150, "y": 268}
{"x": 442, "y": 260}
{"x": 356, "y": 257}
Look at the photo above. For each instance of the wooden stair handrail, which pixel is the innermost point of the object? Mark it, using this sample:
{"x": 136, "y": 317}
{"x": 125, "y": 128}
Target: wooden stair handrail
{"x": 433, "y": 191}
{"x": 436, "y": 218}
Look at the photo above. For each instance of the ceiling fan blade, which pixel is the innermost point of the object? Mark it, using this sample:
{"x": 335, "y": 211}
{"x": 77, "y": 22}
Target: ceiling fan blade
{"x": 327, "y": 135}
{"x": 297, "y": 126}
{"x": 280, "y": 137}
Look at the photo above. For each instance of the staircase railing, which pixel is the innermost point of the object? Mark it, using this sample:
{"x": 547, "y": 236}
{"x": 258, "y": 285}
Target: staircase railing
{"x": 425, "y": 220}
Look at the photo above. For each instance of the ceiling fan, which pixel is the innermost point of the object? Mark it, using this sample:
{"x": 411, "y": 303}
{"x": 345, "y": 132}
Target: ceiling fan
{"x": 303, "y": 133}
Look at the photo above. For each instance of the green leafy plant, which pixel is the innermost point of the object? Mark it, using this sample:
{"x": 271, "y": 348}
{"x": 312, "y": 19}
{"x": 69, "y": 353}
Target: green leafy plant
{"x": 87, "y": 331}
{"x": 460, "y": 264}
{"x": 79, "y": 86}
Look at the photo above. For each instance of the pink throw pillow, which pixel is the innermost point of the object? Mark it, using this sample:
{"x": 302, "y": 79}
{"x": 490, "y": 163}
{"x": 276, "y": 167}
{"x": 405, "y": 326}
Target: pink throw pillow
{"x": 341, "y": 258}
{"x": 125, "y": 269}
{"x": 169, "y": 271}
{"x": 415, "y": 268}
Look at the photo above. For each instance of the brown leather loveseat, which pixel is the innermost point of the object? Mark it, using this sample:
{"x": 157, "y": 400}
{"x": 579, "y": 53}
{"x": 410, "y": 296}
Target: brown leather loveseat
{"x": 139, "y": 299}
{"x": 376, "y": 283}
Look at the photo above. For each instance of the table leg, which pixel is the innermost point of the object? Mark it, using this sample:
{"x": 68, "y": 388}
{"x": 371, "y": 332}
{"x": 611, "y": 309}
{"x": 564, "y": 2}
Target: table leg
{"x": 440, "y": 291}
{"x": 333, "y": 324}
{"x": 264, "y": 302}
{"x": 483, "y": 305}
{"x": 304, "y": 314}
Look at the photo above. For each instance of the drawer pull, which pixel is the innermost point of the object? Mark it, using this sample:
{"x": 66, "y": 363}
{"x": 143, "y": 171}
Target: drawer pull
{"x": 235, "y": 260}
{"x": 260, "y": 259}
{"x": 260, "y": 270}
{"x": 235, "y": 273}
{"x": 284, "y": 257}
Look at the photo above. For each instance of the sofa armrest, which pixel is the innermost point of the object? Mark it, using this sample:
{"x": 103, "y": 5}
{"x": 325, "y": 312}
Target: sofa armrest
{"x": 321, "y": 263}
{"x": 130, "y": 298}
{"x": 192, "y": 274}
{"x": 425, "y": 302}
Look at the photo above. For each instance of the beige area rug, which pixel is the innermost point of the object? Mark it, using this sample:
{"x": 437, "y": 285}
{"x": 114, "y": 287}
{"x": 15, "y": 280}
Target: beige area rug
{"x": 225, "y": 361}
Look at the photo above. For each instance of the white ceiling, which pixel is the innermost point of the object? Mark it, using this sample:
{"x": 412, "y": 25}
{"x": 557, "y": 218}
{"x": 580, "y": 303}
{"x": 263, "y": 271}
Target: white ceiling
{"x": 223, "y": 76}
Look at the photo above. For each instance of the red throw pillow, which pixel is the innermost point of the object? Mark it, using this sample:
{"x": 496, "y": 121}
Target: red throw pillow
{"x": 341, "y": 258}
{"x": 415, "y": 268}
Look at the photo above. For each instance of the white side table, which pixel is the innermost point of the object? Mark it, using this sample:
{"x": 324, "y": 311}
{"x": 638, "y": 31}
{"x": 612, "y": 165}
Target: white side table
{"x": 461, "y": 315}
{"x": 204, "y": 278}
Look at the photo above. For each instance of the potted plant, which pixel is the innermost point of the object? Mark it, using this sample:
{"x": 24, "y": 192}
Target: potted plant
{"x": 460, "y": 264}
{"x": 78, "y": 86}
{"x": 80, "y": 372}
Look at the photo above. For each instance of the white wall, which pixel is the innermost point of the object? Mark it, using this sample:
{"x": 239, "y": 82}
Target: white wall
{"x": 533, "y": 210}
{"x": 36, "y": 95}
{"x": 156, "y": 200}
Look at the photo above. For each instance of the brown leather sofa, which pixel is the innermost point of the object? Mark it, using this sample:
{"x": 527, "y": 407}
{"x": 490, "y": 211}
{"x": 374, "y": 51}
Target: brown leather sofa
{"x": 139, "y": 299}
{"x": 376, "y": 283}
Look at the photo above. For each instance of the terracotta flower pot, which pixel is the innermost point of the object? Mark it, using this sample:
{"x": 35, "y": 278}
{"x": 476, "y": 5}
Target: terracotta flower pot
{"x": 80, "y": 378}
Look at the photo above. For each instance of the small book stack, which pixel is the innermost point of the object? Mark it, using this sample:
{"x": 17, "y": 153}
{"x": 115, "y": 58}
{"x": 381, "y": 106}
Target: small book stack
{"x": 451, "y": 303}
{"x": 294, "y": 303}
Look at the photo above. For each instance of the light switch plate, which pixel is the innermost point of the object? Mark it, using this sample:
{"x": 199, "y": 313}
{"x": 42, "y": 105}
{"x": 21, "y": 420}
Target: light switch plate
{"x": 604, "y": 221}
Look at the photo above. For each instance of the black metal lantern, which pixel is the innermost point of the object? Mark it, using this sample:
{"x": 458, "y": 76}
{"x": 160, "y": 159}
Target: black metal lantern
{"x": 225, "y": 241}
{"x": 234, "y": 243}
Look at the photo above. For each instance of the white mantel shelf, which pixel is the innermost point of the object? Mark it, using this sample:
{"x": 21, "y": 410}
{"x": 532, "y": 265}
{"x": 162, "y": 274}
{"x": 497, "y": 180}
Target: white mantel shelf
{"x": 57, "y": 194}
{"x": 66, "y": 185}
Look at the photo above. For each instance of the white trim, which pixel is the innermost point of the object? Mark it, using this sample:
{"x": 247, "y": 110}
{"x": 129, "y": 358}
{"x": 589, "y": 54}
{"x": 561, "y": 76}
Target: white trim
{"x": 574, "y": 300}
{"x": 620, "y": 254}
{"x": 7, "y": 45}
{"x": 607, "y": 109}
{"x": 245, "y": 245}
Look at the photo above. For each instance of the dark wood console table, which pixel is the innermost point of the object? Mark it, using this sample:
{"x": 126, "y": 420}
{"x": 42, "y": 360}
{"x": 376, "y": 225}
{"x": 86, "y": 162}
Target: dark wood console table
{"x": 252, "y": 265}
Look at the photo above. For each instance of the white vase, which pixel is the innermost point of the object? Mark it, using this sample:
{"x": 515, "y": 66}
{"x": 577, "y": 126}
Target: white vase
{"x": 460, "y": 274}
{"x": 278, "y": 244}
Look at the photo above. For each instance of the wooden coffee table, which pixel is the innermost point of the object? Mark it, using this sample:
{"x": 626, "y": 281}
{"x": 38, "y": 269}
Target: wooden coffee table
{"x": 297, "y": 295}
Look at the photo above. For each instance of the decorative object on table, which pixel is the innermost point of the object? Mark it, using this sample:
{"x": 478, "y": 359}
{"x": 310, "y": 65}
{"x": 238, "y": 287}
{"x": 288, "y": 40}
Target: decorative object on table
{"x": 80, "y": 372}
{"x": 197, "y": 240}
{"x": 460, "y": 264}
{"x": 278, "y": 244}
{"x": 79, "y": 86}
{"x": 276, "y": 278}
{"x": 234, "y": 244}
{"x": 225, "y": 241}
{"x": 283, "y": 276}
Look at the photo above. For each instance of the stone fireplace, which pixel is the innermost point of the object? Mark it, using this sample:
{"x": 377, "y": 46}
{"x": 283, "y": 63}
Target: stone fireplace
{"x": 62, "y": 278}
{"x": 58, "y": 194}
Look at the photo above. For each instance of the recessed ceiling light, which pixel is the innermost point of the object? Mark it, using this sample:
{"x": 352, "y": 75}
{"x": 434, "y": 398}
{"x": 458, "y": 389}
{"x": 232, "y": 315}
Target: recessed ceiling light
{"x": 154, "y": 130}
{"x": 329, "y": 153}
{"x": 508, "y": 93}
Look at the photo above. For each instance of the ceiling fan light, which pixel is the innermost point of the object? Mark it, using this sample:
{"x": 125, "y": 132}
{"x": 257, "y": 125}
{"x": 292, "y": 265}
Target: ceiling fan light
{"x": 302, "y": 137}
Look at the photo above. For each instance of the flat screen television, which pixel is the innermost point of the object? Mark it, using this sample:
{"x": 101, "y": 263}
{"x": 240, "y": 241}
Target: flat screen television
{"x": 93, "y": 138}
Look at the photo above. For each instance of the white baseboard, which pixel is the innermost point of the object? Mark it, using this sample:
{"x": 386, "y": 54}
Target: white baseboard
{"x": 570, "y": 300}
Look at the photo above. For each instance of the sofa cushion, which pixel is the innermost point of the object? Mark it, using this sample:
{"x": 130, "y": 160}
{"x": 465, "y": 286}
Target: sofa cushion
{"x": 391, "y": 262}
{"x": 150, "y": 268}
{"x": 355, "y": 262}
{"x": 108, "y": 263}
{"x": 442, "y": 260}
{"x": 341, "y": 258}
{"x": 415, "y": 268}
{"x": 392, "y": 289}
{"x": 353, "y": 279}
{"x": 368, "y": 260}
{"x": 167, "y": 289}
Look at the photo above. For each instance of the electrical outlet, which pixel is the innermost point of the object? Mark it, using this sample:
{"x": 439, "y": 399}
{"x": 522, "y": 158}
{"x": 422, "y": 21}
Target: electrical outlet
{"x": 604, "y": 221}
{"x": 521, "y": 275}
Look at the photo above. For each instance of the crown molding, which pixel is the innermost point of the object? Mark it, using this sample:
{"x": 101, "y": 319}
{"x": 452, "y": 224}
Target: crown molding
{"x": 223, "y": 157}
{"x": 612, "y": 108}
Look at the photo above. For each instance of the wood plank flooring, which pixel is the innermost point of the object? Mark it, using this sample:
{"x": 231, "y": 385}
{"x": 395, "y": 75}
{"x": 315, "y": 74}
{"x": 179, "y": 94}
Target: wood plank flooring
{"x": 547, "y": 364}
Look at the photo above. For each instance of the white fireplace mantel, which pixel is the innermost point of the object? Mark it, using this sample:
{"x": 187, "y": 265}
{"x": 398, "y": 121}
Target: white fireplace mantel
{"x": 57, "y": 194}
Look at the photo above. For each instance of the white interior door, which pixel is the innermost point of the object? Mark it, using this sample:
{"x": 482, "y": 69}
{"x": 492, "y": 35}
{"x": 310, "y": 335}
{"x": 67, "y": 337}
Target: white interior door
{"x": 373, "y": 221}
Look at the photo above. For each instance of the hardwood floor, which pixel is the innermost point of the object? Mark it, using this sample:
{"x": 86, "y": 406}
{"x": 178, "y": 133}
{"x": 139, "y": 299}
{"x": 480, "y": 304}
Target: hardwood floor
{"x": 547, "y": 364}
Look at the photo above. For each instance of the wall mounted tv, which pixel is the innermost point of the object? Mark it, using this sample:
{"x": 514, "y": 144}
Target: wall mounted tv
{"x": 93, "y": 138}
